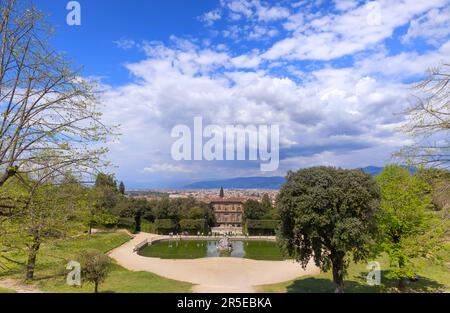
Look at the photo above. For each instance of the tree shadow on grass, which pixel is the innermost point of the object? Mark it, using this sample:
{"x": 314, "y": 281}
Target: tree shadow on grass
{"x": 358, "y": 285}
{"x": 324, "y": 285}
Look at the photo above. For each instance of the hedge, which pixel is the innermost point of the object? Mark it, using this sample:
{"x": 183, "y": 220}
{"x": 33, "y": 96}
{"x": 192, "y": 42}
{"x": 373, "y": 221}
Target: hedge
{"x": 193, "y": 226}
{"x": 147, "y": 227}
{"x": 261, "y": 227}
{"x": 165, "y": 226}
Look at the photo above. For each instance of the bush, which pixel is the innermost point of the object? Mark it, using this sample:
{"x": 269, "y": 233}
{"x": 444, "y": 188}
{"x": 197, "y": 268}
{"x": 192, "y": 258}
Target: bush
{"x": 95, "y": 267}
{"x": 148, "y": 227}
{"x": 127, "y": 223}
{"x": 165, "y": 226}
{"x": 261, "y": 227}
{"x": 193, "y": 226}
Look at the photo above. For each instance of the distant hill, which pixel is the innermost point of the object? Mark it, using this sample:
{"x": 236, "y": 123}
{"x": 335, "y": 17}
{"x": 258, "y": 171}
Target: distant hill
{"x": 372, "y": 170}
{"x": 273, "y": 182}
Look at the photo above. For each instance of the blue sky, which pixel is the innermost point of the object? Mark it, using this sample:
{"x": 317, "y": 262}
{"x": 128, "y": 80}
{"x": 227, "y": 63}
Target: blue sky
{"x": 333, "y": 74}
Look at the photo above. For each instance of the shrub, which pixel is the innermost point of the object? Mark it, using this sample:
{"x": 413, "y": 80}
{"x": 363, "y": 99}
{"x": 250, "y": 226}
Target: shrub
{"x": 95, "y": 267}
{"x": 148, "y": 227}
{"x": 165, "y": 226}
{"x": 193, "y": 226}
{"x": 127, "y": 223}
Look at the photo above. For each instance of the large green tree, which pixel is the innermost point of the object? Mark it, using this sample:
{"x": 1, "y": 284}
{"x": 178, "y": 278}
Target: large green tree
{"x": 253, "y": 210}
{"x": 328, "y": 214}
{"x": 405, "y": 221}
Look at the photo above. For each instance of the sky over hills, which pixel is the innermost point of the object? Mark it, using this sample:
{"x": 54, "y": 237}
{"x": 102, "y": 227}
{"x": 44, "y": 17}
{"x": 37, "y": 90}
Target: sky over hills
{"x": 335, "y": 75}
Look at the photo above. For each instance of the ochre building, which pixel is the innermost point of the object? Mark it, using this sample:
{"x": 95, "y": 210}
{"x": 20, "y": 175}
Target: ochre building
{"x": 228, "y": 211}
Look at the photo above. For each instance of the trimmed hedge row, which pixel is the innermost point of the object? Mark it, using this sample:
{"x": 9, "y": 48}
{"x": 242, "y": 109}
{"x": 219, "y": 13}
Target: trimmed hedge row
{"x": 261, "y": 227}
{"x": 191, "y": 226}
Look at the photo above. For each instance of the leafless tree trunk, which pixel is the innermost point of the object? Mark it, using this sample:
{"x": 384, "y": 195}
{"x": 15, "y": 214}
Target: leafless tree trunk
{"x": 48, "y": 112}
{"x": 429, "y": 121}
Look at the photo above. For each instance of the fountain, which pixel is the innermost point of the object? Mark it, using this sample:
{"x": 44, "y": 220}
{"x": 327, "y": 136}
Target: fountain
{"x": 225, "y": 246}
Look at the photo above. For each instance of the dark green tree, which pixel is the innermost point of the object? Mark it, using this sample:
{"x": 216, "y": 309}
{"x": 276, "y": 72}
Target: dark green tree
{"x": 268, "y": 208}
{"x": 221, "y": 194}
{"x": 253, "y": 210}
{"x": 122, "y": 188}
{"x": 328, "y": 214}
{"x": 106, "y": 180}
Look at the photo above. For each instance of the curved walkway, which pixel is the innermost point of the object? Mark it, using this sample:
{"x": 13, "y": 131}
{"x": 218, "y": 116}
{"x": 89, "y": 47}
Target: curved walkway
{"x": 211, "y": 274}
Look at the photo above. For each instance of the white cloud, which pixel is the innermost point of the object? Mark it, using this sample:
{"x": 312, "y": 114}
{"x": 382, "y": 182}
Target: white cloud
{"x": 274, "y": 13}
{"x": 125, "y": 44}
{"x": 246, "y": 61}
{"x": 341, "y": 111}
{"x": 331, "y": 36}
{"x": 210, "y": 17}
{"x": 432, "y": 26}
{"x": 165, "y": 167}
{"x": 344, "y": 5}
{"x": 347, "y": 116}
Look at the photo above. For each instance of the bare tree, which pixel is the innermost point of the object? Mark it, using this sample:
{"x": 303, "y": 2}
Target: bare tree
{"x": 429, "y": 121}
{"x": 48, "y": 112}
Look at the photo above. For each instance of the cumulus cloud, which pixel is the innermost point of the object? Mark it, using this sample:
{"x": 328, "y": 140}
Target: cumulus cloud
{"x": 344, "y": 114}
{"x": 210, "y": 17}
{"x": 432, "y": 27}
{"x": 330, "y": 36}
{"x": 165, "y": 167}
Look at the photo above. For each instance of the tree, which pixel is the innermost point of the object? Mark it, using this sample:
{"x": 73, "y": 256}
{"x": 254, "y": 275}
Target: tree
{"x": 270, "y": 211}
{"x": 47, "y": 209}
{"x": 221, "y": 193}
{"x": 403, "y": 220}
{"x": 104, "y": 198}
{"x": 122, "y": 188}
{"x": 429, "y": 121}
{"x": 95, "y": 267}
{"x": 253, "y": 210}
{"x": 328, "y": 214}
{"x": 46, "y": 107}
{"x": 106, "y": 180}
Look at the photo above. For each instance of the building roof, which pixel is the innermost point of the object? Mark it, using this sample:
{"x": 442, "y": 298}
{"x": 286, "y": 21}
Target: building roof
{"x": 227, "y": 200}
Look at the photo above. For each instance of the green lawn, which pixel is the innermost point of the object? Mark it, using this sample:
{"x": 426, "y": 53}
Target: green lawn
{"x": 432, "y": 278}
{"x": 263, "y": 250}
{"x": 121, "y": 280}
{"x": 53, "y": 258}
{"x": 4, "y": 290}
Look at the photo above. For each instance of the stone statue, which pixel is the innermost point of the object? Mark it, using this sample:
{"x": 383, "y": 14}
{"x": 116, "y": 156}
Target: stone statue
{"x": 225, "y": 244}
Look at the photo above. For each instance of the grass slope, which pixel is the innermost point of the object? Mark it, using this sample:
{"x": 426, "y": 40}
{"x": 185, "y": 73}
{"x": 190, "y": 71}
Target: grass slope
{"x": 52, "y": 259}
{"x": 4, "y": 290}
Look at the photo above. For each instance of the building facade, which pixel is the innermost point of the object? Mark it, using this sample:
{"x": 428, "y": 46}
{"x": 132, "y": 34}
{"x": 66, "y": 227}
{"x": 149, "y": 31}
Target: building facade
{"x": 228, "y": 212}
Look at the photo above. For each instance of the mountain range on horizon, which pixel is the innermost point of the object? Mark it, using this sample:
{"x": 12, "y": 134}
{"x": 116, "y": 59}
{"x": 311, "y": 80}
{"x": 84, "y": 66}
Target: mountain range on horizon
{"x": 258, "y": 182}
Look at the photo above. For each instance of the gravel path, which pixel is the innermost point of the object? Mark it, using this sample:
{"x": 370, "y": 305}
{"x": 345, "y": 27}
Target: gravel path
{"x": 19, "y": 286}
{"x": 214, "y": 275}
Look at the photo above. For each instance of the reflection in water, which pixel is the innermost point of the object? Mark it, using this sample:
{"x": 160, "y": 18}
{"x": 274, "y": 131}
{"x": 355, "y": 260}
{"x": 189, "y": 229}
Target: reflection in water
{"x": 193, "y": 249}
{"x": 237, "y": 252}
